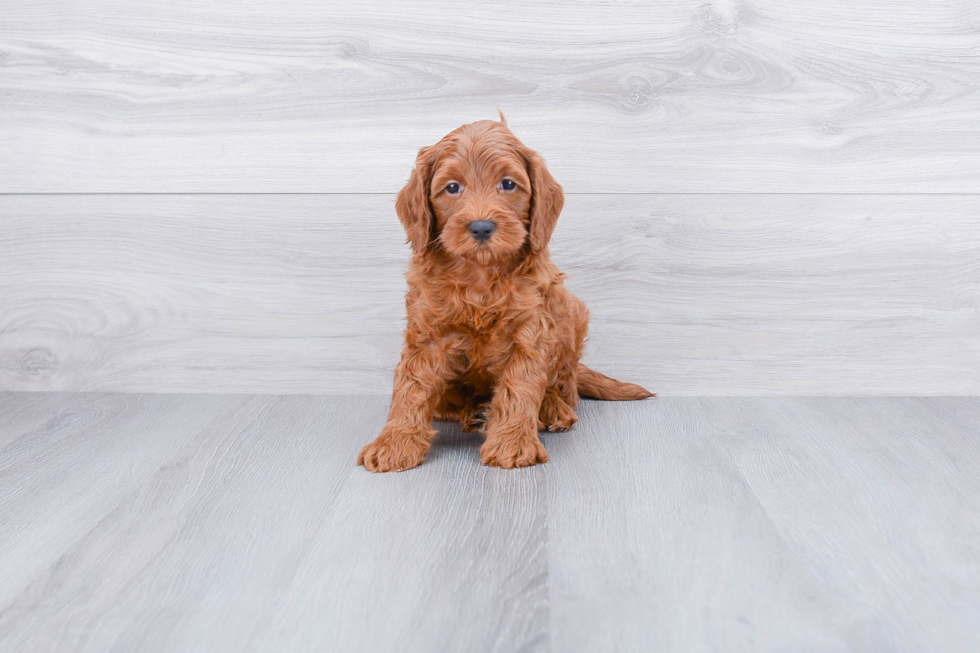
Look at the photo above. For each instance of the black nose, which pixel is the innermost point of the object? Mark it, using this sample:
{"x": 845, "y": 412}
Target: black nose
{"x": 482, "y": 229}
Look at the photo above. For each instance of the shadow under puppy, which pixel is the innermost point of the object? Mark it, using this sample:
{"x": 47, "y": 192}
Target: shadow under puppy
{"x": 493, "y": 338}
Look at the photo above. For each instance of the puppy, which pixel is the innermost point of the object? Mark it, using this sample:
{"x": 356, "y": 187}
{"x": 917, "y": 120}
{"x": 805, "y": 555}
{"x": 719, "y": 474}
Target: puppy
{"x": 493, "y": 338}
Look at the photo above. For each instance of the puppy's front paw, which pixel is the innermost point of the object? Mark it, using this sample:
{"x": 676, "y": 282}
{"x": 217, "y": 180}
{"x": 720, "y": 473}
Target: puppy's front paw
{"x": 509, "y": 453}
{"x": 393, "y": 452}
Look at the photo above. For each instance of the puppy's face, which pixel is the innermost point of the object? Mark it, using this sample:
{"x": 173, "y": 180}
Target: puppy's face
{"x": 480, "y": 195}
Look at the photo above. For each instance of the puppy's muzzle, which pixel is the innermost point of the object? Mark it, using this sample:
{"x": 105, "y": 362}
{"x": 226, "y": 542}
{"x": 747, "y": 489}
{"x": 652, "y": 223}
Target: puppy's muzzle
{"x": 482, "y": 229}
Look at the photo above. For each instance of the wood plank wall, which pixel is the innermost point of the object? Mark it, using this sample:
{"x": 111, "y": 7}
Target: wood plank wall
{"x": 765, "y": 197}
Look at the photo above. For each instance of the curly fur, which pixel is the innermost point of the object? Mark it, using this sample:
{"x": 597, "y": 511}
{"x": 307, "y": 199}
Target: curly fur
{"x": 493, "y": 338}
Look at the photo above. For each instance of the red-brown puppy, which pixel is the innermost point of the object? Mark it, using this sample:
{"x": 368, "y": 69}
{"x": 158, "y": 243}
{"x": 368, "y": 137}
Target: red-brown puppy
{"x": 492, "y": 333}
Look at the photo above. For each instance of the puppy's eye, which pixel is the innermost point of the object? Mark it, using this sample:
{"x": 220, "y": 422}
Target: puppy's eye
{"x": 508, "y": 184}
{"x": 453, "y": 188}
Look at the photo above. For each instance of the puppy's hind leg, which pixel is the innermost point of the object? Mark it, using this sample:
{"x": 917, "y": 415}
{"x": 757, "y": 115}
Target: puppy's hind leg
{"x": 450, "y": 405}
{"x": 461, "y": 403}
{"x": 558, "y": 406}
{"x": 556, "y": 414}
{"x": 474, "y": 415}
{"x": 560, "y": 399}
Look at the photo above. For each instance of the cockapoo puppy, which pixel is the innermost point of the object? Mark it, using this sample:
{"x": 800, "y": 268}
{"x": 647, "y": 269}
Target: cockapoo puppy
{"x": 493, "y": 338}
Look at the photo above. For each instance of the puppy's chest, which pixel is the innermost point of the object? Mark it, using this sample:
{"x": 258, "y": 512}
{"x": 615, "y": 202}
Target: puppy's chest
{"x": 479, "y": 307}
{"x": 486, "y": 348}
{"x": 484, "y": 316}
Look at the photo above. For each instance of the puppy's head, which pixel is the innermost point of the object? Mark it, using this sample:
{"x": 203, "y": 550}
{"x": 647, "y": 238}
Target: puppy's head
{"x": 480, "y": 194}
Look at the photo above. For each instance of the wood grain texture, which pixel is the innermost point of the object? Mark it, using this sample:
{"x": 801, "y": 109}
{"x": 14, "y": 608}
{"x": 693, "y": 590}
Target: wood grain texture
{"x": 676, "y": 96}
{"x": 452, "y": 559}
{"x": 769, "y": 524}
{"x": 207, "y": 523}
{"x": 194, "y": 523}
{"x": 716, "y": 294}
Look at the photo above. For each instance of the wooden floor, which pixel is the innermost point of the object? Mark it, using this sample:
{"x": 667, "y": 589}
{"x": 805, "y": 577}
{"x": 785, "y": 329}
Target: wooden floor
{"x": 240, "y": 523}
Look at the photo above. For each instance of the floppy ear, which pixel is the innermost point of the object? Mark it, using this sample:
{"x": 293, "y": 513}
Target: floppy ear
{"x": 412, "y": 203}
{"x": 547, "y": 200}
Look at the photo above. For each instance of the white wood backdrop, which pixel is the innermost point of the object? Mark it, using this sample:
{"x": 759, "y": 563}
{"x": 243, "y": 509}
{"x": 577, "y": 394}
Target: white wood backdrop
{"x": 695, "y": 294}
{"x": 773, "y": 196}
{"x": 619, "y": 96}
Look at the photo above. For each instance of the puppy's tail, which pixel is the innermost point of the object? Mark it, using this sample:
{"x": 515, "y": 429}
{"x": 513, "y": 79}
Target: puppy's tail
{"x": 599, "y": 386}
